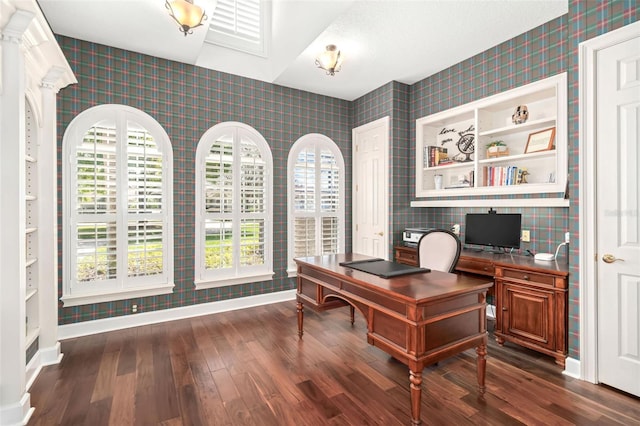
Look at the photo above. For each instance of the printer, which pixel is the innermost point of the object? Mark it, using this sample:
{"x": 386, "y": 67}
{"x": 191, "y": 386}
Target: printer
{"x": 411, "y": 236}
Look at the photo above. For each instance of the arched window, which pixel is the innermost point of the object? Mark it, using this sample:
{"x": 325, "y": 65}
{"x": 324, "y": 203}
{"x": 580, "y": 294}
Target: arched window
{"x": 316, "y": 198}
{"x": 233, "y": 207}
{"x": 118, "y": 221}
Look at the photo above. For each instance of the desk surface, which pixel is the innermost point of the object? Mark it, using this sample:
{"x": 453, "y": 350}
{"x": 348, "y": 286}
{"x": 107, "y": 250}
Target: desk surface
{"x": 419, "y": 288}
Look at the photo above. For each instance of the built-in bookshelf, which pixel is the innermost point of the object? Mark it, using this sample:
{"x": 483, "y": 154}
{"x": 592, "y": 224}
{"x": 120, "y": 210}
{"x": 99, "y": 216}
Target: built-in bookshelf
{"x": 454, "y": 158}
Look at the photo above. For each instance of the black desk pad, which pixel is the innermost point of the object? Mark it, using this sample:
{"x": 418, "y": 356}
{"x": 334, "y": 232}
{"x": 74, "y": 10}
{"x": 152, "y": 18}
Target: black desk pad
{"x": 383, "y": 268}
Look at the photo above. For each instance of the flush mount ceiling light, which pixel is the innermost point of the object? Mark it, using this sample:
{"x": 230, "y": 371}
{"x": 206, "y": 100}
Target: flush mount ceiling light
{"x": 330, "y": 60}
{"x": 186, "y": 14}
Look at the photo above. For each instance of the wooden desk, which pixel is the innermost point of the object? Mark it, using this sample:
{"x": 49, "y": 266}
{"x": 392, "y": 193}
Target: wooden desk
{"x": 419, "y": 319}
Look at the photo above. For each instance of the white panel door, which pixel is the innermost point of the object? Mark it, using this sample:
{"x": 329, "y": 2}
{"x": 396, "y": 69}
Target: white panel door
{"x": 618, "y": 220}
{"x": 371, "y": 189}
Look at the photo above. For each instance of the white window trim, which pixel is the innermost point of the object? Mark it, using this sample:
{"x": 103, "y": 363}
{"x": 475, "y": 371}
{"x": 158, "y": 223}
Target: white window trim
{"x": 204, "y": 279}
{"x": 124, "y": 287}
{"x": 318, "y": 141}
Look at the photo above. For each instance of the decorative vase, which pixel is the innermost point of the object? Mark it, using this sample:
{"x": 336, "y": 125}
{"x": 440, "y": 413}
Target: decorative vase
{"x": 520, "y": 115}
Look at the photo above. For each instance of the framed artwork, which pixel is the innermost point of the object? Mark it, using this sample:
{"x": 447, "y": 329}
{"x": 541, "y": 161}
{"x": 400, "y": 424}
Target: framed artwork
{"x": 540, "y": 141}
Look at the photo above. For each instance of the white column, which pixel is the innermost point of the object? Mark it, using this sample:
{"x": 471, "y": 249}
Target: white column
{"x": 15, "y": 406}
{"x": 48, "y": 236}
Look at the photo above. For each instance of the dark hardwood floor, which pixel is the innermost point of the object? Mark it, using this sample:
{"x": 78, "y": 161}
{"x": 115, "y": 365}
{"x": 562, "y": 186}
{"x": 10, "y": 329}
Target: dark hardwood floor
{"x": 248, "y": 367}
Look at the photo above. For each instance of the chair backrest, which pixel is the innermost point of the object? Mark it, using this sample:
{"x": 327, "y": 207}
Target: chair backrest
{"x": 439, "y": 249}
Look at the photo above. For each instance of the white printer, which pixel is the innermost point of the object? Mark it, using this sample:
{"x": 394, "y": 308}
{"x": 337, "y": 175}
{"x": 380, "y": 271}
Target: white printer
{"x": 411, "y": 236}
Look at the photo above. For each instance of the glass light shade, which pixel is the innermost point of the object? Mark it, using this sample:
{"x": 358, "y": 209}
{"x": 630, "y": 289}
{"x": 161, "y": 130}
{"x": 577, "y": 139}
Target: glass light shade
{"x": 186, "y": 14}
{"x": 330, "y": 60}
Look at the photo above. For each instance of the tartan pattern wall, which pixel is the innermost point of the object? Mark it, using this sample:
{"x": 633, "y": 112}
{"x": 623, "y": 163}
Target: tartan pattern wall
{"x": 544, "y": 51}
{"x": 187, "y": 100}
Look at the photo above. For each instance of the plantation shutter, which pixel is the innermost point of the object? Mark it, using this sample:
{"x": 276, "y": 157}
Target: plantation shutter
{"x": 101, "y": 251}
{"x": 235, "y": 204}
{"x": 96, "y": 205}
{"x": 316, "y": 202}
{"x": 240, "y": 18}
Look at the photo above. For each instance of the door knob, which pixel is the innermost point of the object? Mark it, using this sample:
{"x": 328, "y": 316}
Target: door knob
{"x": 380, "y": 233}
{"x": 609, "y": 258}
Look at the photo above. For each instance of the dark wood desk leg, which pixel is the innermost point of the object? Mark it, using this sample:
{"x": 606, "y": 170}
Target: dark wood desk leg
{"x": 415, "y": 378}
{"x": 352, "y": 312}
{"x": 482, "y": 366}
{"x": 300, "y": 318}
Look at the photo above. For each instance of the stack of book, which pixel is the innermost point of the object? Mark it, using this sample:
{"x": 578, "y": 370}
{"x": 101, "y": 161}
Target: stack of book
{"x": 435, "y": 156}
{"x": 502, "y": 175}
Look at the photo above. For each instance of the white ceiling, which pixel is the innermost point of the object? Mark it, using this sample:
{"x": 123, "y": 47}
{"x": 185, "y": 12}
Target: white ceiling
{"x": 381, "y": 40}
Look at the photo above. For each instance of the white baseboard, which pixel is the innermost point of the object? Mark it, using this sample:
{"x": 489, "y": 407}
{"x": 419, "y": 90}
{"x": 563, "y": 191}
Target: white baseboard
{"x": 17, "y": 414}
{"x": 491, "y": 311}
{"x": 572, "y": 368}
{"x": 144, "y": 318}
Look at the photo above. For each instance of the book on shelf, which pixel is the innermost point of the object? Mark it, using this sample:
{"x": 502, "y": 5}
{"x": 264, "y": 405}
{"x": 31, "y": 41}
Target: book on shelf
{"x": 434, "y": 156}
{"x": 502, "y": 175}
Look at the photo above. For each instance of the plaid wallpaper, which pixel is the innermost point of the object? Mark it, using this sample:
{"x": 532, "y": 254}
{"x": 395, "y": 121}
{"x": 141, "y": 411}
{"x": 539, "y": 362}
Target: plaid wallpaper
{"x": 187, "y": 100}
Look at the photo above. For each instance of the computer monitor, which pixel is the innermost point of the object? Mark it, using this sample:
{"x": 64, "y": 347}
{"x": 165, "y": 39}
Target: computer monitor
{"x": 493, "y": 229}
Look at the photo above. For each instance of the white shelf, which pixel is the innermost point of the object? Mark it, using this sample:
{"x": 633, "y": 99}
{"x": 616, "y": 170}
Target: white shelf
{"x": 30, "y": 197}
{"x": 32, "y": 335}
{"x": 514, "y": 158}
{"x": 487, "y": 120}
{"x": 30, "y": 293}
{"x": 29, "y": 159}
{"x": 31, "y": 262}
{"x": 451, "y": 166}
{"x": 30, "y": 230}
{"x": 517, "y": 128}
{"x": 502, "y": 202}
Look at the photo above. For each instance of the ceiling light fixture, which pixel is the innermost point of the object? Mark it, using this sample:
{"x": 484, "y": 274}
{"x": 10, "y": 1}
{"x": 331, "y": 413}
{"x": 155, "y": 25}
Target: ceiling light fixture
{"x": 330, "y": 60}
{"x": 186, "y": 14}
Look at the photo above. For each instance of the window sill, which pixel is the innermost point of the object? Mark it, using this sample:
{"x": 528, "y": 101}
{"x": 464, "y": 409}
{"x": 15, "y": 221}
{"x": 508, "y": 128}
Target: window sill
{"x": 245, "y": 279}
{"x": 292, "y": 273}
{"x": 120, "y": 294}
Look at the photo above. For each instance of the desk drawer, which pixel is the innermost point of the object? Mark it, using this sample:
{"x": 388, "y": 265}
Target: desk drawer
{"x": 533, "y": 277}
{"x": 406, "y": 255}
{"x": 475, "y": 266}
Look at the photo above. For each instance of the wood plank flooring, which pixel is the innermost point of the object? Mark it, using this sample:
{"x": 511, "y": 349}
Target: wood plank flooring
{"x": 248, "y": 367}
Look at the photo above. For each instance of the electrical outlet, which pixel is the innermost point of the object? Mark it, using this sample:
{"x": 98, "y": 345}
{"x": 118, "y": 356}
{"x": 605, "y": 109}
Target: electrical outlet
{"x": 566, "y": 237}
{"x": 526, "y": 236}
{"x": 134, "y": 308}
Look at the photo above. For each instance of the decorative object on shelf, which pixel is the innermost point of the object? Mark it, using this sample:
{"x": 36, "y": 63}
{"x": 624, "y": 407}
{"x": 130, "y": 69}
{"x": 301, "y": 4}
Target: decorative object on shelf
{"x": 186, "y": 14}
{"x": 330, "y": 60}
{"x": 497, "y": 149}
{"x": 523, "y": 176}
{"x": 521, "y": 115}
{"x": 446, "y": 138}
{"x": 540, "y": 141}
{"x": 437, "y": 181}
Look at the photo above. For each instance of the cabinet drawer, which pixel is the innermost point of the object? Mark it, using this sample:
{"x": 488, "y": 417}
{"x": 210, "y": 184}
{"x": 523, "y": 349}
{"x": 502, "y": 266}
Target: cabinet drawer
{"x": 407, "y": 255}
{"x": 528, "y": 276}
{"x": 475, "y": 267}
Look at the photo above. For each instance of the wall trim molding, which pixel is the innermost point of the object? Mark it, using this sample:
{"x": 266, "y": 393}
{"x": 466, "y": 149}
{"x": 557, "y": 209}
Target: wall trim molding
{"x": 86, "y": 328}
{"x": 572, "y": 368}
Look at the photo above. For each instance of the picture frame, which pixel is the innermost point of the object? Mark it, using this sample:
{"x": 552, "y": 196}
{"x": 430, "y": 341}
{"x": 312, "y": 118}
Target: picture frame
{"x": 541, "y": 140}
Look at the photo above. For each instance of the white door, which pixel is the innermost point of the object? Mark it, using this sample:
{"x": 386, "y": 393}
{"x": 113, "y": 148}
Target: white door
{"x": 618, "y": 221}
{"x": 371, "y": 189}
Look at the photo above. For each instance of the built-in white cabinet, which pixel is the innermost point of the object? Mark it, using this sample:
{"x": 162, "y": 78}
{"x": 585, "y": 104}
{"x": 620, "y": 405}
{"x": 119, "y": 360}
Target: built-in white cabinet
{"x": 453, "y": 158}
{"x": 32, "y": 71}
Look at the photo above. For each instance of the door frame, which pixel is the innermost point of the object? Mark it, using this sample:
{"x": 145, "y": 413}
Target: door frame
{"x": 588, "y": 268}
{"x": 385, "y": 122}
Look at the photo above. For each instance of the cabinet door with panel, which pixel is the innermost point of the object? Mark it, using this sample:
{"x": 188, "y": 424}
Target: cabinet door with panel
{"x": 532, "y": 310}
{"x": 526, "y": 313}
